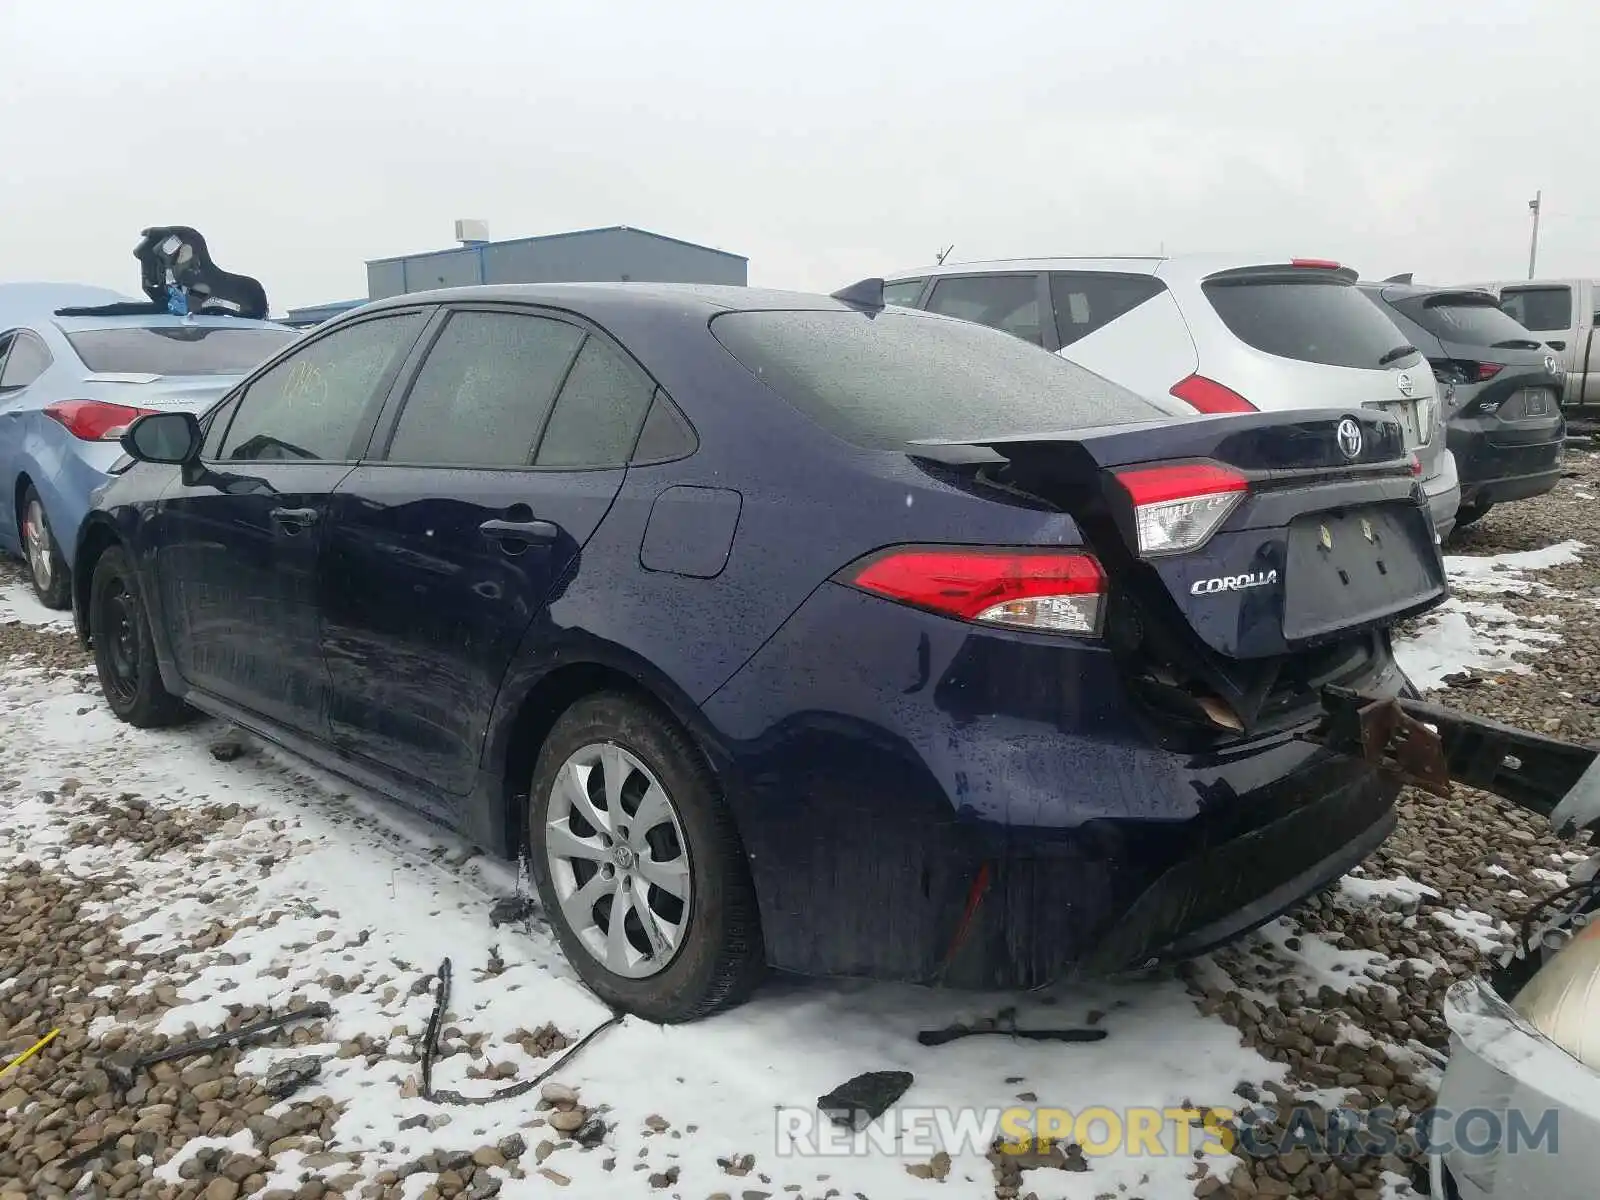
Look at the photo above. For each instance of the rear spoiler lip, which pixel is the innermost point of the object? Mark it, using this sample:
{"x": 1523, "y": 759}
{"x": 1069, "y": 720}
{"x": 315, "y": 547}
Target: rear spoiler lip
{"x": 1283, "y": 273}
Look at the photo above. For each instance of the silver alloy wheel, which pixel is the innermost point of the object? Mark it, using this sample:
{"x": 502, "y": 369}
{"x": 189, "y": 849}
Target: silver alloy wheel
{"x": 36, "y": 538}
{"x": 618, "y": 860}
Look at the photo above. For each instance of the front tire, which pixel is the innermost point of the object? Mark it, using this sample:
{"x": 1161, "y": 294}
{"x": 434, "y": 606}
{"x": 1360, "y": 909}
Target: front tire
{"x": 1471, "y": 514}
{"x": 639, "y": 866}
{"x": 124, "y": 654}
{"x": 47, "y": 566}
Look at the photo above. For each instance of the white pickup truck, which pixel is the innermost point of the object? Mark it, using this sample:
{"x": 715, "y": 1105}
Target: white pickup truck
{"x": 1562, "y": 313}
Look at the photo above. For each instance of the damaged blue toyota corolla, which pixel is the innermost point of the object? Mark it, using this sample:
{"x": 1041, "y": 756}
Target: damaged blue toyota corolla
{"x": 783, "y": 630}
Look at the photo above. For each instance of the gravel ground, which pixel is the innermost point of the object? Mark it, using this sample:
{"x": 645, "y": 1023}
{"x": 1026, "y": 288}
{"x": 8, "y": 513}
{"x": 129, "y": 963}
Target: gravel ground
{"x": 1345, "y": 994}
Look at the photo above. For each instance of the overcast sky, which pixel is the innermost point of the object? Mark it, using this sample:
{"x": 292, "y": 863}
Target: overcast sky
{"x": 824, "y": 140}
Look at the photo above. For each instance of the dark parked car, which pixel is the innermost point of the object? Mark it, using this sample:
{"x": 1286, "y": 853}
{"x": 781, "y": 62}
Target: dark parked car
{"x": 1504, "y": 422}
{"x": 781, "y": 629}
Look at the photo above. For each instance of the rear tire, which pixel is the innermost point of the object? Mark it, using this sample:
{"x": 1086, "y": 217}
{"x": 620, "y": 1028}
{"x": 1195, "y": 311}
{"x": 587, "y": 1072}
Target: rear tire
{"x": 124, "y": 654}
{"x": 1471, "y": 514}
{"x": 47, "y": 566}
{"x": 686, "y": 949}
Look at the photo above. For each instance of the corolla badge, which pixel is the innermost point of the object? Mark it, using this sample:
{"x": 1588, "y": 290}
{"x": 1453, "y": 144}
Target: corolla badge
{"x": 1403, "y": 382}
{"x": 1549, "y": 364}
{"x": 1348, "y": 435}
{"x": 1232, "y": 583}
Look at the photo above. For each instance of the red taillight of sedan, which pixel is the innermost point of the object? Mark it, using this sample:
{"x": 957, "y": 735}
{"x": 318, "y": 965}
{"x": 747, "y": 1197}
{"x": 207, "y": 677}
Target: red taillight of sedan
{"x": 1045, "y": 591}
{"x": 93, "y": 420}
{"x": 1176, "y": 508}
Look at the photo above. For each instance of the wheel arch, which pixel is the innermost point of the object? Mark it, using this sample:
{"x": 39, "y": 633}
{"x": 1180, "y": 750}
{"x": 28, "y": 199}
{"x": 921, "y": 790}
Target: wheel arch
{"x": 96, "y": 537}
{"x": 532, "y": 705}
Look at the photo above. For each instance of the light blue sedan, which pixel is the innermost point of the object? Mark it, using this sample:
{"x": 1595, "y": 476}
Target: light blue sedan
{"x": 69, "y": 384}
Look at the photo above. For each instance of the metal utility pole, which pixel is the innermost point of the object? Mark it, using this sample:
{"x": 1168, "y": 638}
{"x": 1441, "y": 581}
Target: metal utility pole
{"x": 1533, "y": 247}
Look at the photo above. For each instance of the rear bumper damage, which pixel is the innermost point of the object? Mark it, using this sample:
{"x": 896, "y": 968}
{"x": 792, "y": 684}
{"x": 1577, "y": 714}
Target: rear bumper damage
{"x": 1430, "y": 746}
{"x": 1503, "y": 1072}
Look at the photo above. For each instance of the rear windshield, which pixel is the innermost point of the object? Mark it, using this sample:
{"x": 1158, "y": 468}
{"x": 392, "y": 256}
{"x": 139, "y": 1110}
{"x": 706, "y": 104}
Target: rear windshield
{"x": 1316, "y": 321}
{"x": 884, "y": 380}
{"x": 177, "y": 350}
{"x": 1546, "y": 309}
{"x": 1473, "y": 322}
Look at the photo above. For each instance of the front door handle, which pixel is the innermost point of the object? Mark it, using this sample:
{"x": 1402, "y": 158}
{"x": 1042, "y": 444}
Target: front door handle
{"x": 294, "y": 520}
{"x": 519, "y": 531}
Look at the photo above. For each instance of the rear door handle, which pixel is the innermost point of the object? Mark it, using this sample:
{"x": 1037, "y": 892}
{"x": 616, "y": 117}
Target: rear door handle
{"x": 294, "y": 519}
{"x": 519, "y": 531}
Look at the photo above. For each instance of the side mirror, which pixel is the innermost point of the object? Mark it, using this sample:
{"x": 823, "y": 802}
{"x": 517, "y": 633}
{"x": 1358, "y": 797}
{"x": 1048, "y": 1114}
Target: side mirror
{"x": 163, "y": 437}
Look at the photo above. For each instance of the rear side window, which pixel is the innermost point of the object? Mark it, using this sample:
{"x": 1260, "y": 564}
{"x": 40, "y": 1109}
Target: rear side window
{"x": 178, "y": 350}
{"x": 1469, "y": 321}
{"x": 484, "y": 391}
{"x": 1544, "y": 309}
{"x": 904, "y": 293}
{"x": 26, "y": 362}
{"x": 890, "y": 378}
{"x": 1005, "y": 302}
{"x": 1315, "y": 321}
{"x": 598, "y": 414}
{"x": 1084, "y": 302}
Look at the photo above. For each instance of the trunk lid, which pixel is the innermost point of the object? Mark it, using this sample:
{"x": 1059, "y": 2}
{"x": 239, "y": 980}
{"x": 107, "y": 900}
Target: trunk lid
{"x": 1318, "y": 550}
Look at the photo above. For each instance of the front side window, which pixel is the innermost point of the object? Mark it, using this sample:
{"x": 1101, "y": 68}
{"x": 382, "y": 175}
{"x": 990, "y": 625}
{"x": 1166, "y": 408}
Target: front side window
{"x": 1006, "y": 302}
{"x": 1541, "y": 309}
{"x": 26, "y": 362}
{"x": 485, "y": 390}
{"x": 309, "y": 406}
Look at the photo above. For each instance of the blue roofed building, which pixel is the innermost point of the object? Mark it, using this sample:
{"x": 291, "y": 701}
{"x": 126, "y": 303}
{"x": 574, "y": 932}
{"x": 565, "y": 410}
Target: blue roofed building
{"x": 610, "y": 253}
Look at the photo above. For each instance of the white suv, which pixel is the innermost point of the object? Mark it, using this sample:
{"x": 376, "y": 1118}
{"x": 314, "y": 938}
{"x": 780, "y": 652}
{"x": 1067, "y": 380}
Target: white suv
{"x": 1221, "y": 334}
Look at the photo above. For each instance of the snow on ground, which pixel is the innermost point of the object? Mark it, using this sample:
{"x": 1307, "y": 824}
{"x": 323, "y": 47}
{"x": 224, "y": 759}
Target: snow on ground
{"x": 18, "y": 603}
{"x": 318, "y": 880}
{"x": 380, "y": 904}
{"x": 1480, "y": 635}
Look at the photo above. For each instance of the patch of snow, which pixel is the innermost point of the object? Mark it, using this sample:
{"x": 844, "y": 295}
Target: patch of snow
{"x": 1467, "y": 634}
{"x": 1494, "y": 568}
{"x": 316, "y": 879}
{"x": 1408, "y": 892}
{"x": 1479, "y": 928}
{"x": 18, "y": 603}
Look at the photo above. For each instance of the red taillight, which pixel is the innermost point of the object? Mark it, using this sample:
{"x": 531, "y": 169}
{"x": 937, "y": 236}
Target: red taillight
{"x": 1209, "y": 396}
{"x": 1046, "y": 591}
{"x": 93, "y": 420}
{"x": 1315, "y": 264}
{"x": 1488, "y": 370}
{"x": 1416, "y": 465}
{"x": 1178, "y": 507}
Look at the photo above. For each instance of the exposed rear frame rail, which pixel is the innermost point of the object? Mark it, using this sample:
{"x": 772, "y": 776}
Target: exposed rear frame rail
{"x": 1432, "y": 747}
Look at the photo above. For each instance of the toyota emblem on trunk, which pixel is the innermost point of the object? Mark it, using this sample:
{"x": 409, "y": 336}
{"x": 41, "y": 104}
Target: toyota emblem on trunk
{"x": 1549, "y": 364}
{"x": 1349, "y": 436}
{"x": 1403, "y": 382}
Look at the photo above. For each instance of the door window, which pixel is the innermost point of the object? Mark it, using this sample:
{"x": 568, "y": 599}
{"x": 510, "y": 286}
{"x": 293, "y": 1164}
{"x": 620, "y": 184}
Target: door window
{"x": 597, "y": 417}
{"x": 26, "y": 362}
{"x": 485, "y": 390}
{"x": 1008, "y": 302}
{"x": 308, "y": 407}
{"x": 1084, "y": 302}
{"x": 1541, "y": 309}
